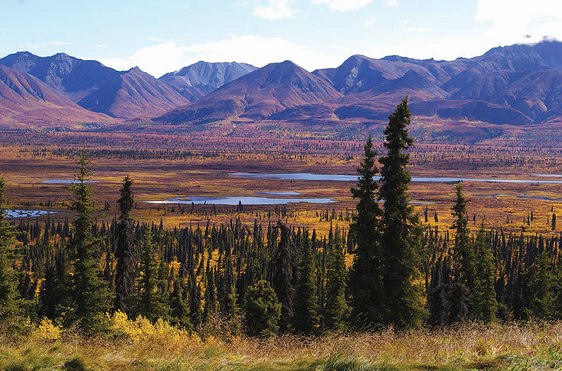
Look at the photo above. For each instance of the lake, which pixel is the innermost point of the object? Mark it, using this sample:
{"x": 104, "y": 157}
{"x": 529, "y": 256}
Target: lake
{"x": 66, "y": 181}
{"x": 246, "y": 200}
{"x": 353, "y": 178}
{"x": 13, "y": 214}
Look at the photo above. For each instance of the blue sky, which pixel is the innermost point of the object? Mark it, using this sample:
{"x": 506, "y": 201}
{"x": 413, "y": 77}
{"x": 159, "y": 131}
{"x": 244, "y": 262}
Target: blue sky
{"x": 163, "y": 35}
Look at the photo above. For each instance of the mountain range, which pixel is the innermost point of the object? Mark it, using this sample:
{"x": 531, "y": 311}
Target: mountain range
{"x": 517, "y": 85}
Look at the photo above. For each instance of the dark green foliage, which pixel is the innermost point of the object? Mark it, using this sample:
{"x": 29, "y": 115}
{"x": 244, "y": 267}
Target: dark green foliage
{"x": 306, "y": 318}
{"x": 366, "y": 274}
{"x": 483, "y": 303}
{"x": 179, "y": 307}
{"x": 463, "y": 254}
{"x": 152, "y": 302}
{"x": 10, "y": 308}
{"x": 284, "y": 276}
{"x": 92, "y": 298}
{"x": 538, "y": 289}
{"x": 336, "y": 310}
{"x": 262, "y": 310}
{"x": 125, "y": 271}
{"x": 401, "y": 231}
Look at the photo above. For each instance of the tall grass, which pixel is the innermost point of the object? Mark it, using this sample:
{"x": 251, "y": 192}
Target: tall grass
{"x": 139, "y": 345}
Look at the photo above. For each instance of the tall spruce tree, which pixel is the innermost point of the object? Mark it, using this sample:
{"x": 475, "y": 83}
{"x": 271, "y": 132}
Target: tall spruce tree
{"x": 91, "y": 295}
{"x": 463, "y": 254}
{"x": 262, "y": 310}
{"x": 538, "y": 289}
{"x": 401, "y": 232}
{"x": 306, "y": 318}
{"x": 283, "y": 276}
{"x": 336, "y": 310}
{"x": 152, "y": 302}
{"x": 483, "y": 303}
{"x": 9, "y": 295}
{"x": 125, "y": 271}
{"x": 366, "y": 275}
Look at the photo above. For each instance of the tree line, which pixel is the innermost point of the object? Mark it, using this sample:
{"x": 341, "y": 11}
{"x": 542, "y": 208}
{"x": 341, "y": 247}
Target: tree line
{"x": 386, "y": 270}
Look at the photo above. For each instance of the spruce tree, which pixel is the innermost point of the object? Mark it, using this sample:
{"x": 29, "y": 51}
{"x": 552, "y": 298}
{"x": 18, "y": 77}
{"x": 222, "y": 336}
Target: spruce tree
{"x": 152, "y": 302}
{"x": 366, "y": 275}
{"x": 179, "y": 307}
{"x": 283, "y": 276}
{"x": 463, "y": 255}
{"x": 91, "y": 295}
{"x": 483, "y": 303}
{"x": 306, "y": 318}
{"x": 336, "y": 310}
{"x": 400, "y": 237}
{"x": 538, "y": 289}
{"x": 125, "y": 271}
{"x": 262, "y": 310}
{"x": 9, "y": 295}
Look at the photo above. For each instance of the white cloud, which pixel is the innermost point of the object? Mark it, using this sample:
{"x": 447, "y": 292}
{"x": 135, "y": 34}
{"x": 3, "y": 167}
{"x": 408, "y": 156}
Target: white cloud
{"x": 342, "y": 5}
{"x": 259, "y": 51}
{"x": 368, "y": 23}
{"x": 508, "y": 21}
{"x": 274, "y": 10}
{"x": 392, "y": 2}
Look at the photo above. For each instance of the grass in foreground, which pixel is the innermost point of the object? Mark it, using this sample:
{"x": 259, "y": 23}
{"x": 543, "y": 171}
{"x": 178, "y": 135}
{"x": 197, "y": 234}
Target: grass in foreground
{"x": 161, "y": 347}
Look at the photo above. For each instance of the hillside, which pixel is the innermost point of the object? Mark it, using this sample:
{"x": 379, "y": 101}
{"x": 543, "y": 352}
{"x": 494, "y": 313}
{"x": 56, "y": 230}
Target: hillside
{"x": 25, "y": 100}
{"x": 95, "y": 87}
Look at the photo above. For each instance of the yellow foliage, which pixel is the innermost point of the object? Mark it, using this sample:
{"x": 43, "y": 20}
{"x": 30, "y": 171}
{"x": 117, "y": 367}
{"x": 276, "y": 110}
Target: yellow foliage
{"x": 47, "y": 331}
{"x": 141, "y": 329}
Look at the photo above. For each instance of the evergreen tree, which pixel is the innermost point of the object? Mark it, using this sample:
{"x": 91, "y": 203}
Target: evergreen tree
{"x": 9, "y": 296}
{"x": 336, "y": 310}
{"x": 538, "y": 289}
{"x": 125, "y": 272}
{"x": 463, "y": 254}
{"x": 306, "y": 318}
{"x": 401, "y": 232}
{"x": 366, "y": 275}
{"x": 284, "y": 277}
{"x": 179, "y": 307}
{"x": 92, "y": 298}
{"x": 152, "y": 302}
{"x": 483, "y": 303}
{"x": 262, "y": 310}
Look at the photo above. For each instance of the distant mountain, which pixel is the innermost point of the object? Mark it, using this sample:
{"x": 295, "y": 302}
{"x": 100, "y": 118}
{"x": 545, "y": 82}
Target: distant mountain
{"x": 202, "y": 78}
{"x": 515, "y": 85}
{"x": 26, "y": 100}
{"x": 129, "y": 94}
{"x": 257, "y": 95}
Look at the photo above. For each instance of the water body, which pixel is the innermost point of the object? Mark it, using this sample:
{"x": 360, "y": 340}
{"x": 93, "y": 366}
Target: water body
{"x": 287, "y": 193}
{"x": 66, "y": 181}
{"x": 353, "y": 178}
{"x": 548, "y": 175}
{"x": 233, "y": 200}
{"x": 13, "y": 214}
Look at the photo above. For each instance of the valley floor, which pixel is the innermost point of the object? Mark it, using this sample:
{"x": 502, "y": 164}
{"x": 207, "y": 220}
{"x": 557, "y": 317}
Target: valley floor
{"x": 521, "y": 347}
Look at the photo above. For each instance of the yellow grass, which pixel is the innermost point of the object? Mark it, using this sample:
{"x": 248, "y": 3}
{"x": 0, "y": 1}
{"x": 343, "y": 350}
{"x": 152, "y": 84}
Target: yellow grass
{"x": 143, "y": 346}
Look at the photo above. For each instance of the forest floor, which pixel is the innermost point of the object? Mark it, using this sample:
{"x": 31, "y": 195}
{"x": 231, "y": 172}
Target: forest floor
{"x": 471, "y": 346}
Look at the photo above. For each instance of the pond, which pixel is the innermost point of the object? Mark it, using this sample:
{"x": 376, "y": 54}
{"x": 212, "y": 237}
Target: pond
{"x": 13, "y": 214}
{"x": 66, "y": 181}
{"x": 353, "y": 178}
{"x": 245, "y": 200}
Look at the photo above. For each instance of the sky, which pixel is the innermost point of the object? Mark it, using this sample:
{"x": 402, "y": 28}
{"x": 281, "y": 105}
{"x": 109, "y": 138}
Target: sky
{"x": 160, "y": 36}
